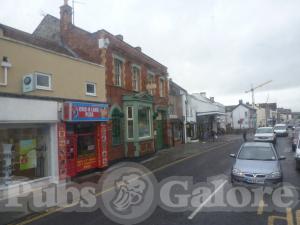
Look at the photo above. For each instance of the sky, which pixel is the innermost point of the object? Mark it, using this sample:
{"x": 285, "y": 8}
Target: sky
{"x": 213, "y": 46}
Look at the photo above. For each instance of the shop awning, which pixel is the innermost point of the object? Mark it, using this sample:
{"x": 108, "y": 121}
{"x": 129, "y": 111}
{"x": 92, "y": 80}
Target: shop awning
{"x": 211, "y": 113}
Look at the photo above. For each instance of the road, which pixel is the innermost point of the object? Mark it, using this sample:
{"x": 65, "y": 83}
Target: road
{"x": 213, "y": 163}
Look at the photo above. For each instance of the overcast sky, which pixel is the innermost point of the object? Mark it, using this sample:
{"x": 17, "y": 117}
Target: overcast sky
{"x": 216, "y": 46}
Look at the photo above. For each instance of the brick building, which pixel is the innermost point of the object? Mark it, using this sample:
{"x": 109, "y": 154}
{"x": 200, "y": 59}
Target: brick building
{"x": 136, "y": 85}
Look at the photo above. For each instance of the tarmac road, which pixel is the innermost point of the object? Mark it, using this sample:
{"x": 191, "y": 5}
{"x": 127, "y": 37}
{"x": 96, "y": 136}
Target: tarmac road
{"x": 210, "y": 164}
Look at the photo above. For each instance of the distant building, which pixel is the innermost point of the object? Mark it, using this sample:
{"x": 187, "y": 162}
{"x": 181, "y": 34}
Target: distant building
{"x": 241, "y": 116}
{"x": 177, "y": 113}
{"x": 270, "y": 112}
{"x": 284, "y": 115}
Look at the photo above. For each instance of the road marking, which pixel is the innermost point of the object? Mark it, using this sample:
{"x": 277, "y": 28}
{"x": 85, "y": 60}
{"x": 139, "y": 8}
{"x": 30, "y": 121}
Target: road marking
{"x": 288, "y": 218}
{"x": 261, "y": 206}
{"x": 206, "y": 201}
{"x": 54, "y": 210}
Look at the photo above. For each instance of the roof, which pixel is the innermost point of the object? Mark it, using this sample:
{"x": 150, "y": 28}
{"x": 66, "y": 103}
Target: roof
{"x": 175, "y": 88}
{"x": 33, "y": 40}
{"x": 233, "y": 107}
{"x": 257, "y": 144}
{"x": 49, "y": 28}
{"x": 229, "y": 108}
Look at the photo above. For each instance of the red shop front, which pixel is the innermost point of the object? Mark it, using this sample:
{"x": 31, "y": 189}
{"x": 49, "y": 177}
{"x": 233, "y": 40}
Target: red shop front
{"x": 82, "y": 138}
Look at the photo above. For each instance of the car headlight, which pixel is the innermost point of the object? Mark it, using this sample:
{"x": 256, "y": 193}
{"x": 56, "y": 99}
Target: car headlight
{"x": 274, "y": 175}
{"x": 237, "y": 172}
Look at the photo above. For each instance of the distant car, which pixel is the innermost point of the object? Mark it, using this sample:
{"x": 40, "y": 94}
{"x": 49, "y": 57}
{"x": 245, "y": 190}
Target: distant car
{"x": 265, "y": 134}
{"x": 257, "y": 163}
{"x": 281, "y": 130}
{"x": 295, "y": 138}
{"x": 297, "y": 155}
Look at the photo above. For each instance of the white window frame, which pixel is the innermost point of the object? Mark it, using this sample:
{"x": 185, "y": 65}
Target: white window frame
{"x": 120, "y": 80}
{"x": 136, "y": 77}
{"x": 49, "y": 88}
{"x": 130, "y": 119}
{"x": 161, "y": 87}
{"x": 95, "y": 89}
{"x": 150, "y": 125}
{"x": 152, "y": 75}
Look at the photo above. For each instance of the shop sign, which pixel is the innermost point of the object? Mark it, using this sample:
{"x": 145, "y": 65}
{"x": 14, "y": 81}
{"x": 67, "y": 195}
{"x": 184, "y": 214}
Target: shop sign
{"x": 80, "y": 111}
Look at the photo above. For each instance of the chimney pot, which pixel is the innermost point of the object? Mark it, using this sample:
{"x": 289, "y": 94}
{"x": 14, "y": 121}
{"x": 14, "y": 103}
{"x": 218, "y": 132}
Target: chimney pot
{"x": 138, "y": 48}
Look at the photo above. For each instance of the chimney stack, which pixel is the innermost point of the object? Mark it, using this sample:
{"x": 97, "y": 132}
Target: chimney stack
{"x": 66, "y": 12}
{"x": 212, "y": 99}
{"x": 240, "y": 101}
{"x": 119, "y": 36}
{"x": 138, "y": 48}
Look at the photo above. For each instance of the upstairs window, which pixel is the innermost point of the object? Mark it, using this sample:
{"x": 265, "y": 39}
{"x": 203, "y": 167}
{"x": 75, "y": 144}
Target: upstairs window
{"x": 90, "y": 89}
{"x": 161, "y": 87}
{"x": 118, "y": 72}
{"x": 150, "y": 83}
{"x": 135, "y": 78}
{"x": 43, "y": 81}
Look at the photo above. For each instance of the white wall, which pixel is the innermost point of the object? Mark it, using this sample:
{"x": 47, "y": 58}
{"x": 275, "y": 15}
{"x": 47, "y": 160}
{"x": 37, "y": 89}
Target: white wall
{"x": 239, "y": 113}
{"x": 19, "y": 110}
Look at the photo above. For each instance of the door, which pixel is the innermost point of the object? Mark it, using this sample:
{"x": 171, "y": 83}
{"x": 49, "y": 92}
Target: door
{"x": 160, "y": 135}
{"x": 71, "y": 150}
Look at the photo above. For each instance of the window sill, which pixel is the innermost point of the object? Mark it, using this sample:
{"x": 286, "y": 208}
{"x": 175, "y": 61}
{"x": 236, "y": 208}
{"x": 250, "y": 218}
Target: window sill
{"x": 91, "y": 95}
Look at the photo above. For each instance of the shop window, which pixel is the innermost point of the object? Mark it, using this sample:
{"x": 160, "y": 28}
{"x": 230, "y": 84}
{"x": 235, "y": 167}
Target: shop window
{"x": 135, "y": 78}
{"x": 43, "y": 81}
{"x": 23, "y": 153}
{"x": 90, "y": 89}
{"x": 118, "y": 64}
{"x": 116, "y": 127}
{"x": 144, "y": 122}
{"x": 129, "y": 122}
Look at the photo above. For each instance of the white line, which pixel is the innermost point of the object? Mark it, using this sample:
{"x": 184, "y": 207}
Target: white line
{"x": 206, "y": 201}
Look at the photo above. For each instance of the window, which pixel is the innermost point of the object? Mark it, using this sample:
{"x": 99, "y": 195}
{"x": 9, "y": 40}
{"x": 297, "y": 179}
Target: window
{"x": 116, "y": 127}
{"x": 90, "y": 89}
{"x": 161, "y": 87}
{"x": 118, "y": 72}
{"x": 150, "y": 83}
{"x": 144, "y": 122}
{"x": 129, "y": 122}
{"x": 246, "y": 114}
{"x": 135, "y": 78}
{"x": 43, "y": 81}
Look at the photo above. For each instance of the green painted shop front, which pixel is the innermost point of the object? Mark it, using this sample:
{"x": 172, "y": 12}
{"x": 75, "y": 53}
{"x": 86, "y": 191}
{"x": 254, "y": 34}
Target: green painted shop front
{"x": 139, "y": 137}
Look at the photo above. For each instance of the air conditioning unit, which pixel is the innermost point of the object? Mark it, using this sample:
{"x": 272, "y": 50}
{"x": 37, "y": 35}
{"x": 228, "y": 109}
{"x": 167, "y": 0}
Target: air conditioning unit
{"x": 28, "y": 83}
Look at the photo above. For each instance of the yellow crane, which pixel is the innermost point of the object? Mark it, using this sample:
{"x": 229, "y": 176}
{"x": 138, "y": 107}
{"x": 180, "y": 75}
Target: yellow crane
{"x": 254, "y": 88}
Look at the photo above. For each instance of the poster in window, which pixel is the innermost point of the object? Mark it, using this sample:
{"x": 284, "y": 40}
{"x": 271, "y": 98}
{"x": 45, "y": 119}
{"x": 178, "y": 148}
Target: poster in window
{"x": 27, "y": 154}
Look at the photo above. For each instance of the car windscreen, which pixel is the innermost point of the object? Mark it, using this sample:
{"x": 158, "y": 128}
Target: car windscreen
{"x": 280, "y": 127}
{"x": 257, "y": 153}
{"x": 264, "y": 130}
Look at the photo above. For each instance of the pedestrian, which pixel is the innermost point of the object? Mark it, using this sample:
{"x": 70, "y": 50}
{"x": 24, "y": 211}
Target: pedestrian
{"x": 245, "y": 135}
{"x": 213, "y": 135}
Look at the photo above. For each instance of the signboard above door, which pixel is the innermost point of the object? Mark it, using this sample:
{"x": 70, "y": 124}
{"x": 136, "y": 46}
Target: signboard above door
{"x": 82, "y": 111}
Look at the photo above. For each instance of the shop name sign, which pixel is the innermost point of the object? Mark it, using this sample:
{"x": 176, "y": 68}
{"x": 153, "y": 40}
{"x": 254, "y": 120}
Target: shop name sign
{"x": 81, "y": 111}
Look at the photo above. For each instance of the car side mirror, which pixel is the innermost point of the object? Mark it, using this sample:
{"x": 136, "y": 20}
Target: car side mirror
{"x": 232, "y": 155}
{"x": 282, "y": 158}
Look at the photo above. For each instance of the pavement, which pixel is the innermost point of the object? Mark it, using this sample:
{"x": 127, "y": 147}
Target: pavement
{"x": 199, "y": 161}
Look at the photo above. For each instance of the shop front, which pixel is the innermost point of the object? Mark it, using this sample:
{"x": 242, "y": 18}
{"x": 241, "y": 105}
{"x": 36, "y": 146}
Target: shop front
{"x": 27, "y": 142}
{"x": 85, "y": 132}
{"x": 138, "y": 125}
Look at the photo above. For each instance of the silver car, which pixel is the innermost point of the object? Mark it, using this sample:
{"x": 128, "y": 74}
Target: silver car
{"x": 265, "y": 134}
{"x": 257, "y": 163}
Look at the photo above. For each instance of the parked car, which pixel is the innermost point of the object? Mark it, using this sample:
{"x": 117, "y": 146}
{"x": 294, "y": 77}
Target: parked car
{"x": 281, "y": 130}
{"x": 265, "y": 134}
{"x": 295, "y": 138}
{"x": 257, "y": 163}
{"x": 297, "y": 153}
